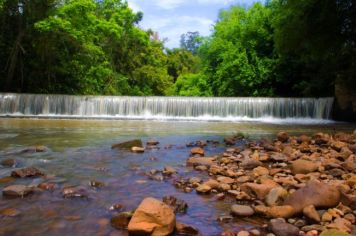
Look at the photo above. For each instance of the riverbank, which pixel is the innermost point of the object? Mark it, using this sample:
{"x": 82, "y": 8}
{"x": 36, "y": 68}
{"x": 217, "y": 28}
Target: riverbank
{"x": 86, "y": 183}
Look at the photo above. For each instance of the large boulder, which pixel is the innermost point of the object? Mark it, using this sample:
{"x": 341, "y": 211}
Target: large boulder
{"x": 128, "y": 144}
{"x": 314, "y": 193}
{"x": 152, "y": 217}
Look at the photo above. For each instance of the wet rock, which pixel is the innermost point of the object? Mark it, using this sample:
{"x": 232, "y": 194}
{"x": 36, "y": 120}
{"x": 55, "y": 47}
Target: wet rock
{"x": 137, "y": 149}
{"x": 304, "y": 166}
{"x": 241, "y": 210}
{"x": 204, "y": 161}
{"x": 17, "y": 191}
{"x": 311, "y": 213}
{"x": 194, "y": 180}
{"x": 152, "y": 217}
{"x": 74, "y": 192}
{"x": 152, "y": 142}
{"x": 169, "y": 170}
{"x": 10, "y": 212}
{"x": 8, "y": 162}
{"x": 128, "y": 145}
{"x": 6, "y": 180}
{"x": 186, "y": 230}
{"x": 333, "y": 232}
{"x": 283, "y": 137}
{"x": 178, "y": 205}
{"x": 281, "y": 228}
{"x": 27, "y": 172}
{"x": 249, "y": 164}
{"x": 96, "y": 184}
{"x": 275, "y": 211}
{"x": 73, "y": 218}
{"x": 121, "y": 220}
{"x": 203, "y": 188}
{"x": 47, "y": 186}
{"x": 197, "y": 151}
{"x": 314, "y": 193}
{"x": 276, "y": 196}
{"x": 224, "y": 218}
{"x": 229, "y": 141}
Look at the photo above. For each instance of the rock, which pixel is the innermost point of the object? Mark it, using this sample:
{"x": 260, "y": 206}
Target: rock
{"x": 314, "y": 193}
{"x": 249, "y": 164}
{"x": 152, "y": 142}
{"x": 47, "y": 186}
{"x": 340, "y": 224}
{"x": 194, "y": 180}
{"x": 204, "y": 161}
{"x": 8, "y": 162}
{"x": 275, "y": 211}
{"x": 201, "y": 168}
{"x": 229, "y": 141}
{"x": 169, "y": 170}
{"x": 197, "y": 151}
{"x": 255, "y": 232}
{"x": 241, "y": 210}
{"x": 128, "y": 145}
{"x": 321, "y": 138}
{"x": 137, "y": 149}
{"x": 225, "y": 180}
{"x": 27, "y": 172}
{"x": 16, "y": 191}
{"x": 186, "y": 230}
{"x": 96, "y": 184}
{"x": 312, "y": 227}
{"x": 178, "y": 205}
{"x": 121, "y": 220}
{"x": 303, "y": 139}
{"x": 74, "y": 192}
{"x": 276, "y": 196}
{"x": 258, "y": 171}
{"x": 116, "y": 207}
{"x": 227, "y": 233}
{"x": 311, "y": 213}
{"x": 281, "y": 228}
{"x": 243, "y": 233}
{"x": 283, "y": 137}
{"x": 333, "y": 232}
{"x": 260, "y": 190}
{"x": 303, "y": 166}
{"x": 203, "y": 188}
{"x": 10, "y": 212}
{"x": 152, "y": 217}
{"x": 212, "y": 183}
{"x": 326, "y": 217}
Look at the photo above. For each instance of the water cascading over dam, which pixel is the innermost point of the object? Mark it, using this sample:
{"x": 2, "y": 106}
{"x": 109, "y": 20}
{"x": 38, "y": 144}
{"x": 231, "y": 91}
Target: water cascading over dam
{"x": 169, "y": 108}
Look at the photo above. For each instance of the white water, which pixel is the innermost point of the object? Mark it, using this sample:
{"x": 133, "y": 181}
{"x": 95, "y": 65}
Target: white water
{"x": 285, "y": 110}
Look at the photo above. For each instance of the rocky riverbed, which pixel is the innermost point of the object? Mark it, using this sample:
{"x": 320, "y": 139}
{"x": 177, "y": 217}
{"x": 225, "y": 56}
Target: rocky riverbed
{"x": 290, "y": 185}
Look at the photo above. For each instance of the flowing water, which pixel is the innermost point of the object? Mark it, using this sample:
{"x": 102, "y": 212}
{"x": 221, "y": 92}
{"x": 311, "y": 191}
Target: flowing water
{"x": 79, "y": 151}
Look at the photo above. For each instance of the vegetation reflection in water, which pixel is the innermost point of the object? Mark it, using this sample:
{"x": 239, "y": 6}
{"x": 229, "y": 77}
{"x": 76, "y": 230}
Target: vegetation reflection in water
{"x": 80, "y": 151}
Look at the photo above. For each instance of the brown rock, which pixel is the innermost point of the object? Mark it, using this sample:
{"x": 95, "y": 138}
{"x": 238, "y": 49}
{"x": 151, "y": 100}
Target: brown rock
{"x": 243, "y": 233}
{"x": 152, "y": 142}
{"x": 275, "y": 211}
{"x": 225, "y": 180}
{"x": 212, "y": 183}
{"x": 47, "y": 186}
{"x": 74, "y": 192}
{"x": 258, "y": 171}
{"x": 250, "y": 164}
{"x": 10, "y": 212}
{"x": 8, "y": 162}
{"x": 128, "y": 145}
{"x": 27, "y": 172}
{"x": 326, "y": 217}
{"x": 227, "y": 233}
{"x": 152, "y": 217}
{"x": 314, "y": 193}
{"x": 282, "y": 137}
{"x": 259, "y": 190}
{"x": 197, "y": 151}
{"x": 169, "y": 170}
{"x": 311, "y": 213}
{"x": 340, "y": 224}
{"x": 204, "y": 161}
{"x": 203, "y": 188}
{"x": 303, "y": 166}
{"x": 121, "y": 220}
{"x": 241, "y": 210}
{"x": 186, "y": 230}
{"x": 16, "y": 191}
{"x": 177, "y": 205}
{"x": 276, "y": 196}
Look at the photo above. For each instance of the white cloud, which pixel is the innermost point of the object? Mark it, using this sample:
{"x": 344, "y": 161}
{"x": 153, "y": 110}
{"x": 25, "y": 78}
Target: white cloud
{"x": 134, "y": 6}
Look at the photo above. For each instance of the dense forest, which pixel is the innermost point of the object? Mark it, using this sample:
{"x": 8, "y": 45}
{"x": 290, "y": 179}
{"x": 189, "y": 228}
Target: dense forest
{"x": 279, "y": 48}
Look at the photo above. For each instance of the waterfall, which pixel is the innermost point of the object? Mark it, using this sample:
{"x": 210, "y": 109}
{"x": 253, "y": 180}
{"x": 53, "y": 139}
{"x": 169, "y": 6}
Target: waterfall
{"x": 176, "y": 108}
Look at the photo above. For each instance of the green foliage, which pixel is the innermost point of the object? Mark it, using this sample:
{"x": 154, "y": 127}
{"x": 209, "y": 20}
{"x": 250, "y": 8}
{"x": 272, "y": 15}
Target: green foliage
{"x": 191, "y": 41}
{"x": 191, "y": 85}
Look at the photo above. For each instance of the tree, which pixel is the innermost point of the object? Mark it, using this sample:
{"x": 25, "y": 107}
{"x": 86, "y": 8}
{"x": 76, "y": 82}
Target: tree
{"x": 191, "y": 41}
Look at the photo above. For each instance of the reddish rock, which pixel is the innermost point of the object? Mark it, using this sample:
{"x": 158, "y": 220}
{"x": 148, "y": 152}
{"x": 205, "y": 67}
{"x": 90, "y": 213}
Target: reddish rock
{"x": 314, "y": 193}
{"x": 304, "y": 166}
{"x": 10, "y": 212}
{"x": 311, "y": 213}
{"x": 152, "y": 217}
{"x": 204, "y": 161}
{"x": 283, "y": 137}
{"x": 259, "y": 190}
{"x": 197, "y": 151}
{"x": 275, "y": 211}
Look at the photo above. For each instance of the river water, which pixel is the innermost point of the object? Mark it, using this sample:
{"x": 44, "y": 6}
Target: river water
{"x": 80, "y": 151}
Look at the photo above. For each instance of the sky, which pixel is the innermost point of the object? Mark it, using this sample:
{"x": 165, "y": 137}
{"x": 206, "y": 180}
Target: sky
{"x": 172, "y": 18}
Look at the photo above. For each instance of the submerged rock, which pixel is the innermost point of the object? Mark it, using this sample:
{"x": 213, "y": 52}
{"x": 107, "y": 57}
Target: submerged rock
{"x": 74, "y": 192}
{"x": 10, "y": 212}
{"x": 27, "y": 172}
{"x": 17, "y": 191}
{"x": 197, "y": 151}
{"x": 121, "y": 220}
{"x": 152, "y": 217}
{"x": 8, "y": 162}
{"x": 178, "y": 205}
{"x": 128, "y": 144}
{"x": 186, "y": 230}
